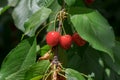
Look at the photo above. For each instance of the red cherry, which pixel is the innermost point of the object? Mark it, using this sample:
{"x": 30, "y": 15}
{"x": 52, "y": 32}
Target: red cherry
{"x": 89, "y": 1}
{"x": 65, "y": 41}
{"x": 52, "y": 38}
{"x": 78, "y": 40}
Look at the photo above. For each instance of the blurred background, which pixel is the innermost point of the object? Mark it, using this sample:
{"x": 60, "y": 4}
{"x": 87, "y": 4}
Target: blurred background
{"x": 10, "y": 35}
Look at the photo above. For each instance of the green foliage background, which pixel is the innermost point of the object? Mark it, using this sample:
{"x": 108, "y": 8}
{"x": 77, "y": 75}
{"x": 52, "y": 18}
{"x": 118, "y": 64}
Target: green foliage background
{"x": 99, "y": 57}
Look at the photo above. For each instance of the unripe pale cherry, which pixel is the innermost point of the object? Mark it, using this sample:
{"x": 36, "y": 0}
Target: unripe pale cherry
{"x": 78, "y": 40}
{"x": 52, "y": 38}
{"x": 65, "y": 41}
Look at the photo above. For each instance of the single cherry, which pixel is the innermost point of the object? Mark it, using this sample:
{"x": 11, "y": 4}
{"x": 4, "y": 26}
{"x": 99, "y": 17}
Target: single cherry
{"x": 65, "y": 41}
{"x": 78, "y": 40}
{"x": 52, "y": 38}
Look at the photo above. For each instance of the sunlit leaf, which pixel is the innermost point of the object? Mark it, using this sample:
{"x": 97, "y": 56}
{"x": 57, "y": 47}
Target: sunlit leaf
{"x": 45, "y": 3}
{"x": 13, "y": 2}
{"x": 27, "y": 10}
{"x": 36, "y": 20}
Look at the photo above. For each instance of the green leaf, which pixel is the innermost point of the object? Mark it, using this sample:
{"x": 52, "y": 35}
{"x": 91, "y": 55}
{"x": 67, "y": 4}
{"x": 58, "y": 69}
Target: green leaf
{"x": 27, "y": 8}
{"x": 32, "y": 24}
{"x": 72, "y": 3}
{"x": 37, "y": 69}
{"x": 3, "y": 9}
{"x": 69, "y": 2}
{"x": 113, "y": 76}
{"x": 74, "y": 62}
{"x": 74, "y": 56}
{"x": 31, "y": 73}
{"x": 73, "y": 75}
{"x": 79, "y": 3}
{"x": 95, "y": 29}
{"x": 19, "y": 59}
{"x": 62, "y": 55}
{"x": 90, "y": 63}
{"x": 37, "y": 78}
{"x": 44, "y": 49}
{"x": 107, "y": 71}
{"x": 21, "y": 14}
{"x": 79, "y": 10}
{"x": 114, "y": 65}
{"x": 89, "y": 78}
{"x": 17, "y": 75}
{"x": 45, "y": 3}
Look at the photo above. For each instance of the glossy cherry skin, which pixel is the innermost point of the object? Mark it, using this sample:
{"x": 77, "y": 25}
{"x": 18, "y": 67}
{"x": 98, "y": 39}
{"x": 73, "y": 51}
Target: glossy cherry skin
{"x": 78, "y": 40}
{"x": 65, "y": 41}
{"x": 52, "y": 38}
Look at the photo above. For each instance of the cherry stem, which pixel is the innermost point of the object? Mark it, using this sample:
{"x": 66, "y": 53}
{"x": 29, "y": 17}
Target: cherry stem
{"x": 48, "y": 75}
{"x": 55, "y": 49}
{"x": 55, "y": 21}
{"x": 23, "y": 35}
{"x": 44, "y": 27}
{"x": 63, "y": 6}
{"x": 84, "y": 75}
{"x": 55, "y": 59}
{"x": 60, "y": 26}
{"x": 62, "y": 75}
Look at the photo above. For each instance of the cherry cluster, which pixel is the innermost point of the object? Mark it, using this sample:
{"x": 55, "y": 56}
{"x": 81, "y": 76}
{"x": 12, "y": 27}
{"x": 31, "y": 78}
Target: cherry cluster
{"x": 54, "y": 38}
